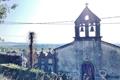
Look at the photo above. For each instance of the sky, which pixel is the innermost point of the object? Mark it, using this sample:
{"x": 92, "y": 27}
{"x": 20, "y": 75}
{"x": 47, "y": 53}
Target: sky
{"x": 44, "y": 11}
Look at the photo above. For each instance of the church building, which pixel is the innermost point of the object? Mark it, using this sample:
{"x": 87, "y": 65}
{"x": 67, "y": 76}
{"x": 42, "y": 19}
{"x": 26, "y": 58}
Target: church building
{"x": 88, "y": 57}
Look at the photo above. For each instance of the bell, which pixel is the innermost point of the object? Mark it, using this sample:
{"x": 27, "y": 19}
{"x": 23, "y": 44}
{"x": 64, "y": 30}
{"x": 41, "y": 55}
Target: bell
{"x": 82, "y": 29}
{"x": 92, "y": 29}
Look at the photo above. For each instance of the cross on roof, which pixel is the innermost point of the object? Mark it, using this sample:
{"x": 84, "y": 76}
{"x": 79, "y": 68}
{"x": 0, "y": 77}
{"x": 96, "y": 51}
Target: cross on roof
{"x": 86, "y": 4}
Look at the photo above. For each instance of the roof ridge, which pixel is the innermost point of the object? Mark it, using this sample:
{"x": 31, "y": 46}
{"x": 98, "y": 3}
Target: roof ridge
{"x": 111, "y": 44}
{"x": 65, "y": 45}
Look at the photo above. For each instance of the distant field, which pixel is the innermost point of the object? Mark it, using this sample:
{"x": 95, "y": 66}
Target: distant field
{"x": 26, "y": 45}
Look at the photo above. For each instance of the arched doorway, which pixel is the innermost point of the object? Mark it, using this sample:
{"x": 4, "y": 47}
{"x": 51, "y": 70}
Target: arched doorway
{"x": 87, "y": 70}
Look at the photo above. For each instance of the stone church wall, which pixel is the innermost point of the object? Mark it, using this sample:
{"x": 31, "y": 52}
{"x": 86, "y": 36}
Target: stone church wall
{"x": 111, "y": 60}
{"x": 71, "y": 57}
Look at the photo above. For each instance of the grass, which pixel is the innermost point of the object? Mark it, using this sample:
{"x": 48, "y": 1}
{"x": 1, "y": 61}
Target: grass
{"x": 20, "y": 73}
{"x": 2, "y": 77}
{"x": 13, "y": 66}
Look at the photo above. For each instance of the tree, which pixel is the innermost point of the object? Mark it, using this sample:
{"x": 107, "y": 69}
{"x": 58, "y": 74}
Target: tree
{"x": 5, "y": 9}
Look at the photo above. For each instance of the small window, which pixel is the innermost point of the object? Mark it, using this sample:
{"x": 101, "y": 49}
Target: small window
{"x": 50, "y": 61}
{"x": 42, "y": 61}
{"x": 42, "y": 67}
{"x": 50, "y": 68}
{"x": 87, "y": 17}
